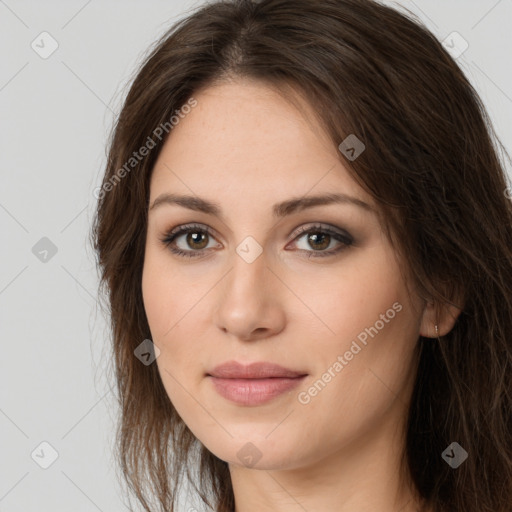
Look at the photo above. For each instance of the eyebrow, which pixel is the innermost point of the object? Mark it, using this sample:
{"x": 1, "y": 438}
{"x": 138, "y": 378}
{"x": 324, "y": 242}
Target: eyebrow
{"x": 279, "y": 210}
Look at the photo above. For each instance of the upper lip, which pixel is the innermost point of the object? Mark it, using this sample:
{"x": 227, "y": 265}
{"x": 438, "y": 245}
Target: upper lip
{"x": 258, "y": 370}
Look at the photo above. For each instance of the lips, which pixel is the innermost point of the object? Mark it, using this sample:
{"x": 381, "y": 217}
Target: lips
{"x": 259, "y": 370}
{"x": 253, "y": 384}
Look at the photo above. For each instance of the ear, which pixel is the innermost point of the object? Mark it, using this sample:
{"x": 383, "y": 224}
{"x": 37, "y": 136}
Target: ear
{"x": 444, "y": 316}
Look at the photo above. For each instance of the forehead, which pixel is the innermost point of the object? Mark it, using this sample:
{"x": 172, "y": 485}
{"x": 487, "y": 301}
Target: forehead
{"x": 244, "y": 138}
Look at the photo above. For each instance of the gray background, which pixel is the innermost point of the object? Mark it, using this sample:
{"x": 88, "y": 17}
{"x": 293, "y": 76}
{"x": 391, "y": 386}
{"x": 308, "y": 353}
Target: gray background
{"x": 56, "y": 113}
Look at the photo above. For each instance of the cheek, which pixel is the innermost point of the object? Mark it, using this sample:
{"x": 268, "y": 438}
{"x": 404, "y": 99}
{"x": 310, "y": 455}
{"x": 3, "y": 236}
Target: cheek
{"x": 373, "y": 327}
{"x": 157, "y": 296}
{"x": 173, "y": 306}
{"x": 167, "y": 294}
{"x": 349, "y": 396}
{"x": 350, "y": 296}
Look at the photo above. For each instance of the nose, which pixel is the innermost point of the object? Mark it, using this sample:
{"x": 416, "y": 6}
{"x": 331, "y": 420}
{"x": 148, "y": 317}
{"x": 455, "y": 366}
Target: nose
{"x": 249, "y": 303}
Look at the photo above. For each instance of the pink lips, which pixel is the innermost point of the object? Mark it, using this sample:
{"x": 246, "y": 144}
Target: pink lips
{"x": 255, "y": 383}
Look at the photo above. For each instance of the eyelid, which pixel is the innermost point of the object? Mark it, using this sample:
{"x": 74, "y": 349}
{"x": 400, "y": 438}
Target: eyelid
{"x": 192, "y": 225}
{"x": 321, "y": 226}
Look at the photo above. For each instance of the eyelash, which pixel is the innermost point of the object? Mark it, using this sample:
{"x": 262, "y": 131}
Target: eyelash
{"x": 170, "y": 237}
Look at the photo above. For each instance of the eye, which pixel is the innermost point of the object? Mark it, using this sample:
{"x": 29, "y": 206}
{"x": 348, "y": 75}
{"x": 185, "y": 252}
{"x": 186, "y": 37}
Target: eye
{"x": 320, "y": 238}
{"x": 197, "y": 236}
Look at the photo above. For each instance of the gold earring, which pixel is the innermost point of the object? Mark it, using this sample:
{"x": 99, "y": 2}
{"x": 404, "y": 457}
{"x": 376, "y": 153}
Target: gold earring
{"x": 437, "y": 331}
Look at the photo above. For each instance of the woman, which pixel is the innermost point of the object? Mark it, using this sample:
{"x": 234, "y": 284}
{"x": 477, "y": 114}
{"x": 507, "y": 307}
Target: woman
{"x": 304, "y": 235}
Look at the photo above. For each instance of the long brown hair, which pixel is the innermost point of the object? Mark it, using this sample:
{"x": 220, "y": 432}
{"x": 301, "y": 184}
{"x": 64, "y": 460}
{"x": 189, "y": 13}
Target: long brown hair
{"x": 432, "y": 163}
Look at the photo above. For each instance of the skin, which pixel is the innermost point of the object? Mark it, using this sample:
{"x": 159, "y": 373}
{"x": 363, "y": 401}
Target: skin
{"x": 246, "y": 148}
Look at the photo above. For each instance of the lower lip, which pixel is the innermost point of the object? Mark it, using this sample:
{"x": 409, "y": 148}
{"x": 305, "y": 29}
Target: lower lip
{"x": 254, "y": 391}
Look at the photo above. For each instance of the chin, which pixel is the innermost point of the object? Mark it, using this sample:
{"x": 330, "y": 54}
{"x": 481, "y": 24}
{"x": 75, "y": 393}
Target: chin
{"x": 253, "y": 450}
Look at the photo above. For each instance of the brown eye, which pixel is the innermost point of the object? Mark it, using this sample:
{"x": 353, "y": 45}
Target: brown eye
{"x": 319, "y": 238}
{"x": 194, "y": 241}
{"x": 319, "y": 241}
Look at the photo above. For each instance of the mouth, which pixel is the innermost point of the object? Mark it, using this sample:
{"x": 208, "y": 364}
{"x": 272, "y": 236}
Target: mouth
{"x": 253, "y": 384}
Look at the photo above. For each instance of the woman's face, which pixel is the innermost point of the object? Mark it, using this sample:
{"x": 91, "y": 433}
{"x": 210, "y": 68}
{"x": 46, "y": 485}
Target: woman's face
{"x": 328, "y": 303}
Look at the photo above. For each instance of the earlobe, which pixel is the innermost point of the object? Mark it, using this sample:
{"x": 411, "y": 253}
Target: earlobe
{"x": 437, "y": 321}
